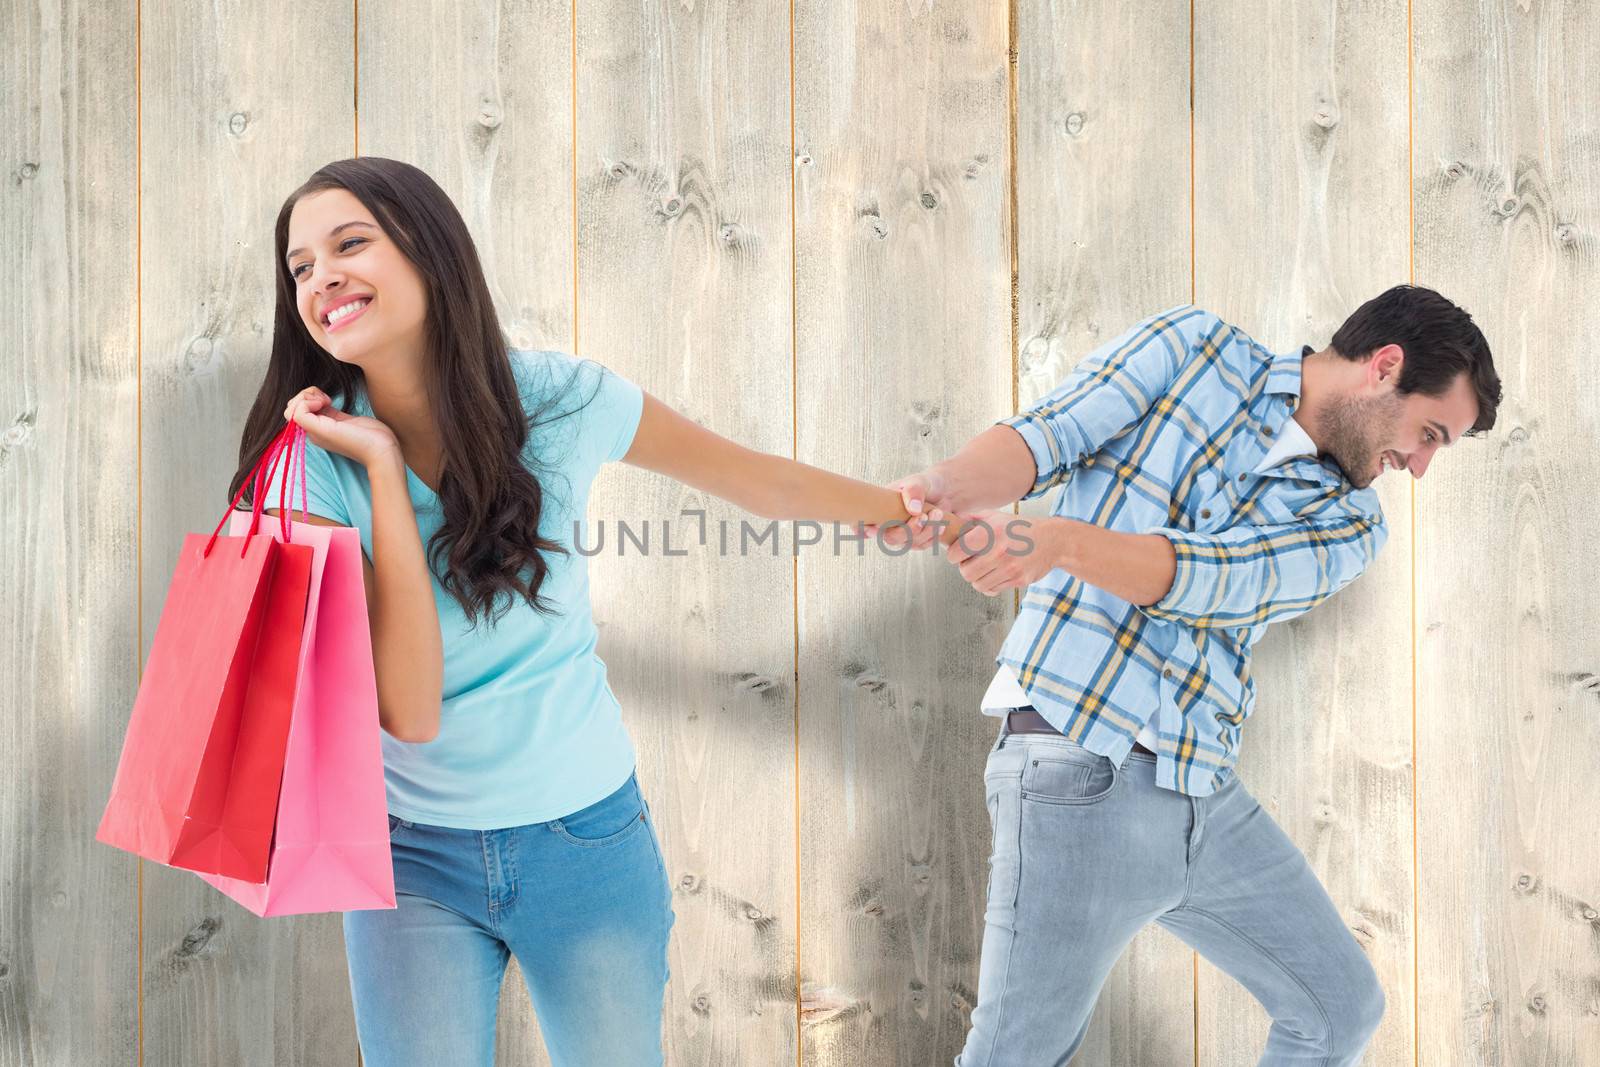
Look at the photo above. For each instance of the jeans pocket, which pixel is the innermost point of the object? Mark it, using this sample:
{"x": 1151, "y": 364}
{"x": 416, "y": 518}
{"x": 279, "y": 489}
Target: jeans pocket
{"x": 605, "y": 822}
{"x": 1005, "y": 854}
{"x": 398, "y": 825}
{"x": 1076, "y": 777}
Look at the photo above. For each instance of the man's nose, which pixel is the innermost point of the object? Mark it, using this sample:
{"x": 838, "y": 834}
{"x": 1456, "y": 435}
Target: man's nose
{"x": 1419, "y": 464}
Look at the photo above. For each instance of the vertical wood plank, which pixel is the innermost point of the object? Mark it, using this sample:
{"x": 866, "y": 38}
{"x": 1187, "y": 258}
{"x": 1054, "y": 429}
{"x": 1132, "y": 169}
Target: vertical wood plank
{"x": 68, "y": 524}
{"x": 683, "y": 286}
{"x": 903, "y": 353}
{"x": 480, "y": 97}
{"x": 1301, "y": 215}
{"x": 236, "y": 113}
{"x": 1507, "y": 206}
{"x": 1103, "y": 239}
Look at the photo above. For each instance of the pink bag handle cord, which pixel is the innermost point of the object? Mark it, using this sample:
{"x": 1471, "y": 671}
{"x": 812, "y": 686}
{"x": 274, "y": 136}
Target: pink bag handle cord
{"x": 291, "y": 443}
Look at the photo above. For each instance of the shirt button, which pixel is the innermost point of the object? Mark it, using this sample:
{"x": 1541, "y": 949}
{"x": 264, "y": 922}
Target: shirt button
{"x": 1267, "y": 432}
{"x": 1241, "y": 477}
{"x": 1205, "y": 513}
{"x": 1089, "y": 462}
{"x": 1167, "y": 673}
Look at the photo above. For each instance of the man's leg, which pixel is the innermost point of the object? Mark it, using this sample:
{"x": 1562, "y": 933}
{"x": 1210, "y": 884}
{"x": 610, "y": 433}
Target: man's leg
{"x": 1084, "y": 856}
{"x": 1256, "y": 910}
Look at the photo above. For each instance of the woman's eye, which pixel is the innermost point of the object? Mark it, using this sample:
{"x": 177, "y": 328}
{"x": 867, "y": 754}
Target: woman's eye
{"x": 347, "y": 241}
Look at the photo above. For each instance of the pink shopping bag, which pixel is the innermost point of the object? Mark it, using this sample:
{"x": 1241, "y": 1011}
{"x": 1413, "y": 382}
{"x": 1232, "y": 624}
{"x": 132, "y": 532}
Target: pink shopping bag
{"x": 330, "y": 850}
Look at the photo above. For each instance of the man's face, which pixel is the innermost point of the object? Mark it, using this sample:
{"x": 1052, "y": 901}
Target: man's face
{"x": 1375, "y": 429}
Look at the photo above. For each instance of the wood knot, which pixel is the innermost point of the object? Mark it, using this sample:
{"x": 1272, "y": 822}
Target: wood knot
{"x": 929, "y": 201}
{"x": 1536, "y": 1005}
{"x": 196, "y": 940}
{"x": 237, "y": 122}
{"x": 701, "y": 1004}
{"x": 824, "y": 1004}
{"x": 489, "y": 115}
{"x": 1455, "y": 170}
{"x": 27, "y": 171}
{"x": 1526, "y": 884}
{"x": 690, "y": 883}
{"x": 200, "y": 358}
{"x": 1075, "y": 123}
{"x": 872, "y": 683}
{"x": 755, "y": 683}
{"x": 20, "y": 432}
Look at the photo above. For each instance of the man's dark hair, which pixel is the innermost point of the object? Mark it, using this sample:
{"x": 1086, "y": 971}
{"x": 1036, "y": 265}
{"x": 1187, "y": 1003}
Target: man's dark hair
{"x": 1440, "y": 341}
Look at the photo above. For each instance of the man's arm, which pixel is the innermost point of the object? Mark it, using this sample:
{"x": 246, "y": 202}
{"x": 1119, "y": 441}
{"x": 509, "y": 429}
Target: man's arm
{"x": 1263, "y": 574}
{"x": 1237, "y": 577}
{"x": 1113, "y": 388}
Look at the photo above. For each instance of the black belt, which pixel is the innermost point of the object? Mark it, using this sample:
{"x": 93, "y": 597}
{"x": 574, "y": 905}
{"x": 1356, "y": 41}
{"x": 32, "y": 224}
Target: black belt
{"x": 1029, "y": 721}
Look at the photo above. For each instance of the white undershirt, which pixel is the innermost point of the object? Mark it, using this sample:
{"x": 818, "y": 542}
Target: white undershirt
{"x": 1005, "y": 693}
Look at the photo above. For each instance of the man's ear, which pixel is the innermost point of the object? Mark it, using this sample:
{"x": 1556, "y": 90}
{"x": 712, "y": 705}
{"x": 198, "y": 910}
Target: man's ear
{"x": 1384, "y": 367}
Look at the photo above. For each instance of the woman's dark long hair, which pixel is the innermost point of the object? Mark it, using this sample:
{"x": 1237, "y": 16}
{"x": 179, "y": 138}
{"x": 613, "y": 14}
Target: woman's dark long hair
{"x": 488, "y": 551}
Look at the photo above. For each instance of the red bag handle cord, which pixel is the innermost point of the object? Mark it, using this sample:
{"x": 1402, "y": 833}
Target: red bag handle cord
{"x": 291, "y": 437}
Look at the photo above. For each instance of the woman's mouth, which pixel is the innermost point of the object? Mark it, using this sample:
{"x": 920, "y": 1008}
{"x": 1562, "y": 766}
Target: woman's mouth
{"x": 344, "y": 313}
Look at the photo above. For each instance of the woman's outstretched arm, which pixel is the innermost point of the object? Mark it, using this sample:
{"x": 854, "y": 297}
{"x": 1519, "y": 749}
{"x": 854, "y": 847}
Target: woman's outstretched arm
{"x": 772, "y": 487}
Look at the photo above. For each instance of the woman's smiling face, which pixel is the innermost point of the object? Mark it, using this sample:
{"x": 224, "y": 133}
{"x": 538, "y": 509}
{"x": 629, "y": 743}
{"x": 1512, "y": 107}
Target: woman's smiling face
{"x": 342, "y": 263}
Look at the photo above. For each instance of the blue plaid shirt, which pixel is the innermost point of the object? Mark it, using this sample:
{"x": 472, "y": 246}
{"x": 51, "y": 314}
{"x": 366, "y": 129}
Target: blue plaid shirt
{"x": 1160, "y": 432}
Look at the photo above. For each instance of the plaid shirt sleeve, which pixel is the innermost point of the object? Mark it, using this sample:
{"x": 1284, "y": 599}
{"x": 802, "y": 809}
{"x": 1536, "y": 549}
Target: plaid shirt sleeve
{"x": 1113, "y": 388}
{"x": 1263, "y": 574}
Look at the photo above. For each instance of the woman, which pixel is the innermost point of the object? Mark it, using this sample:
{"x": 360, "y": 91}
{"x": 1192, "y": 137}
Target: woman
{"x": 516, "y": 823}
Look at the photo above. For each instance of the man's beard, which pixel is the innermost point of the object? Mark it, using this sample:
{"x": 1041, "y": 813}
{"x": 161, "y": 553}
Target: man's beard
{"x": 1352, "y": 429}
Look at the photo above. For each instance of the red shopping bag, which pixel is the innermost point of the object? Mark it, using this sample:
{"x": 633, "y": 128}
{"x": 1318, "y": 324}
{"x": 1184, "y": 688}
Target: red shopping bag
{"x": 202, "y": 761}
{"x": 330, "y": 849}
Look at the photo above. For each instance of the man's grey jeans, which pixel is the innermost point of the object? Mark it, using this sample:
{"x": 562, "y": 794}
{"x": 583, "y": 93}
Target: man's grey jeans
{"x": 1086, "y": 853}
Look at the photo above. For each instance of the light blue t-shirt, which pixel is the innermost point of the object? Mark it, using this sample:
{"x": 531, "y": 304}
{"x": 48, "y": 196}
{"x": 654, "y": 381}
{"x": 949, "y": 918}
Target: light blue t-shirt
{"x": 529, "y": 729}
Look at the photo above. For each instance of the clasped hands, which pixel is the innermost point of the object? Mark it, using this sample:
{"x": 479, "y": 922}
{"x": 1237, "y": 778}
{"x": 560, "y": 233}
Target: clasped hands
{"x": 995, "y": 550}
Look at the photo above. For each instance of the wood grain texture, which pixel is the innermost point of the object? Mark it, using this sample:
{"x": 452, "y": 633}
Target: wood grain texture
{"x": 1507, "y": 195}
{"x": 1300, "y": 216}
{"x": 236, "y": 114}
{"x": 480, "y": 97}
{"x": 68, "y": 532}
{"x": 683, "y": 287}
{"x": 904, "y": 353}
{"x": 1103, "y": 240}
{"x": 680, "y": 213}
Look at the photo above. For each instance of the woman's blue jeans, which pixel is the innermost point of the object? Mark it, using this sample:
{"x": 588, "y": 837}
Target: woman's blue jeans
{"x": 581, "y": 901}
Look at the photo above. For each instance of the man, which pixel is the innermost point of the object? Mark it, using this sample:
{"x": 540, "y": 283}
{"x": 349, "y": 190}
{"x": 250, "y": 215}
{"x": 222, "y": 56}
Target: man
{"x": 1210, "y": 487}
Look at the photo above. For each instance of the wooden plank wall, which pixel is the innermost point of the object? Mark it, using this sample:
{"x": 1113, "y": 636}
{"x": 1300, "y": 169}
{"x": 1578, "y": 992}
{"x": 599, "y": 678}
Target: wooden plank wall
{"x": 857, "y": 234}
{"x": 1292, "y": 232}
